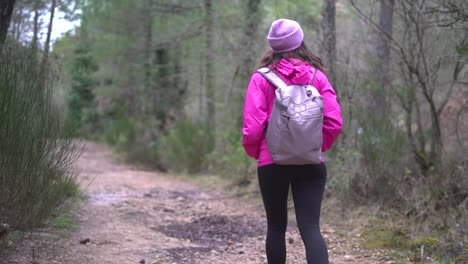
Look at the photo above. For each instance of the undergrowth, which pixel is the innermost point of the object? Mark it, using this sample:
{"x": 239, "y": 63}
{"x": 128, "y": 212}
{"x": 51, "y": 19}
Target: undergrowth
{"x": 37, "y": 153}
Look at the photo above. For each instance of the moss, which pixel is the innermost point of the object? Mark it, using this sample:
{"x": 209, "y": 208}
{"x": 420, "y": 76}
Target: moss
{"x": 383, "y": 237}
{"x": 64, "y": 221}
{"x": 426, "y": 241}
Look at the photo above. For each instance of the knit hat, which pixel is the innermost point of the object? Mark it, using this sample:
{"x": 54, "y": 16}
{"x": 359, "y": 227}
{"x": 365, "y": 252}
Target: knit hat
{"x": 285, "y": 35}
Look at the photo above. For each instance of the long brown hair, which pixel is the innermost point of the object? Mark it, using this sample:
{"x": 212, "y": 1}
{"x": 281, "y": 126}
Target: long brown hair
{"x": 303, "y": 53}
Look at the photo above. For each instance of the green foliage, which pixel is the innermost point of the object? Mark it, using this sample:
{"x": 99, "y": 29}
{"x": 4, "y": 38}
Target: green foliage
{"x": 152, "y": 71}
{"x": 81, "y": 99}
{"x": 36, "y": 152}
{"x": 64, "y": 221}
{"x": 229, "y": 159}
{"x": 463, "y": 49}
{"x": 127, "y": 82}
{"x": 186, "y": 146}
{"x": 344, "y": 175}
{"x": 369, "y": 167}
{"x": 441, "y": 192}
{"x": 120, "y": 132}
{"x": 62, "y": 57}
{"x": 305, "y": 11}
{"x": 382, "y": 147}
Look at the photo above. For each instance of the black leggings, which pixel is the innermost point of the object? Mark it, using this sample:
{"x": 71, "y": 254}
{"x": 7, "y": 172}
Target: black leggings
{"x": 307, "y": 185}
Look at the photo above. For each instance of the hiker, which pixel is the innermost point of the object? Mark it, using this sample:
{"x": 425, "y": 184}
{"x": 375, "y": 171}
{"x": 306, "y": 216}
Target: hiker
{"x": 294, "y": 64}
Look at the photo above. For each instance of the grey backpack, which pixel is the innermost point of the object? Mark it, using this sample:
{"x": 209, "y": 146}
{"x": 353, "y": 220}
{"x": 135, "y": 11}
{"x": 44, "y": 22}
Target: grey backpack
{"x": 294, "y": 132}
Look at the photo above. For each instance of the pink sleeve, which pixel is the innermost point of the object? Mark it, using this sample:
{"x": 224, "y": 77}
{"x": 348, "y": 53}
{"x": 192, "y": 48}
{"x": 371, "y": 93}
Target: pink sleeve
{"x": 255, "y": 116}
{"x": 332, "y": 121}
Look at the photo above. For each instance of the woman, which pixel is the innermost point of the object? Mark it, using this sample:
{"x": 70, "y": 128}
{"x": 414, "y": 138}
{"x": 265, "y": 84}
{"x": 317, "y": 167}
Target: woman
{"x": 291, "y": 60}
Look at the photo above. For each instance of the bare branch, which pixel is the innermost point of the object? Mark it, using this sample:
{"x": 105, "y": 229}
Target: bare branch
{"x": 397, "y": 47}
{"x": 456, "y": 71}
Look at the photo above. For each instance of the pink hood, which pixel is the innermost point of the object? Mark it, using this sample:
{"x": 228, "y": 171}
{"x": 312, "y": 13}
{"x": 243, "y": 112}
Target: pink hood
{"x": 259, "y": 103}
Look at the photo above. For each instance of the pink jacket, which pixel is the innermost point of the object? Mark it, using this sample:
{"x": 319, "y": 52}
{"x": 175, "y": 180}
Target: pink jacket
{"x": 259, "y": 103}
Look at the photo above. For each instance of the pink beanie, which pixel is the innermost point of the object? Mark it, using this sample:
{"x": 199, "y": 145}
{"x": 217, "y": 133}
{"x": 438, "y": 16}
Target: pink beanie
{"x": 285, "y": 35}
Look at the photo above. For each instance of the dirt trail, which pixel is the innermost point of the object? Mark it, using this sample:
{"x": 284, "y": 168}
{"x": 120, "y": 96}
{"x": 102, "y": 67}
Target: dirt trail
{"x": 135, "y": 216}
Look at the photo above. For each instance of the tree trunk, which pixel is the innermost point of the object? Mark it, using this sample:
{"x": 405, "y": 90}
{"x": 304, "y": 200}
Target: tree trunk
{"x": 6, "y": 10}
{"x": 148, "y": 29}
{"x": 36, "y": 26}
{"x": 179, "y": 81}
{"x": 17, "y": 23}
{"x": 247, "y": 64}
{"x": 49, "y": 32}
{"x": 383, "y": 53}
{"x": 436, "y": 144}
{"x": 329, "y": 38}
{"x": 250, "y": 31}
{"x": 161, "y": 102}
{"x": 201, "y": 92}
{"x": 209, "y": 59}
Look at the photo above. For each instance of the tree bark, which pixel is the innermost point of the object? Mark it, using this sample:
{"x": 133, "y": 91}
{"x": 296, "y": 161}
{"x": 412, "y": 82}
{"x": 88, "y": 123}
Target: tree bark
{"x": 162, "y": 78}
{"x": 250, "y": 30}
{"x": 383, "y": 53}
{"x": 329, "y": 38}
{"x": 201, "y": 92}
{"x": 49, "y": 32}
{"x": 247, "y": 63}
{"x": 6, "y": 11}
{"x": 148, "y": 29}
{"x": 209, "y": 59}
{"x": 34, "y": 44}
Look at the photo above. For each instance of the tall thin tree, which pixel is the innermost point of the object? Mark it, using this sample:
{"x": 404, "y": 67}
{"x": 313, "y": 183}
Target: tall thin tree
{"x": 148, "y": 31}
{"x": 252, "y": 16}
{"x": 34, "y": 43}
{"x": 49, "y": 31}
{"x": 383, "y": 52}
{"x": 329, "y": 38}
{"x": 6, "y": 10}
{"x": 209, "y": 59}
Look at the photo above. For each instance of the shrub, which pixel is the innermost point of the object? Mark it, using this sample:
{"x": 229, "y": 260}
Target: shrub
{"x": 440, "y": 198}
{"x": 120, "y": 132}
{"x": 36, "y": 153}
{"x": 383, "y": 151}
{"x": 343, "y": 174}
{"x": 81, "y": 99}
{"x": 141, "y": 144}
{"x": 186, "y": 146}
{"x": 229, "y": 159}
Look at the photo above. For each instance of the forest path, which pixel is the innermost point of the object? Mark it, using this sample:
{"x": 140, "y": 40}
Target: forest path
{"x": 135, "y": 216}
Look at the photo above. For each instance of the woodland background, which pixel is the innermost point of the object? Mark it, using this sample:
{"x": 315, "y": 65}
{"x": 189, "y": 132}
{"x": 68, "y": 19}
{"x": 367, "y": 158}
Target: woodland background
{"x": 163, "y": 82}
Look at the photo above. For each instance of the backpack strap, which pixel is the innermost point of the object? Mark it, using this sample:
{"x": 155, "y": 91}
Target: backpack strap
{"x": 313, "y": 77}
{"x": 272, "y": 77}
